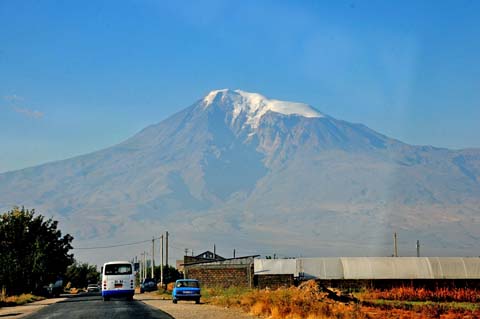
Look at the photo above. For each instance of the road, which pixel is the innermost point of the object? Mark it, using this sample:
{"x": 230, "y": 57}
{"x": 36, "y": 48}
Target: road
{"x": 91, "y": 307}
{"x": 148, "y": 305}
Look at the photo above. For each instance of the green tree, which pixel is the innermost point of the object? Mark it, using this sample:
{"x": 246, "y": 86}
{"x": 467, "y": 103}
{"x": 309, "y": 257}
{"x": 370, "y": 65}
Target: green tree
{"x": 170, "y": 274}
{"x": 82, "y": 274}
{"x": 33, "y": 251}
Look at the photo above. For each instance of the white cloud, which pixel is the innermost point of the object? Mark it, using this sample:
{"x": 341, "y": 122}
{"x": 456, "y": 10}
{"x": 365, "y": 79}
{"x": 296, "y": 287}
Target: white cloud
{"x": 13, "y": 102}
{"x": 13, "y": 98}
{"x": 30, "y": 113}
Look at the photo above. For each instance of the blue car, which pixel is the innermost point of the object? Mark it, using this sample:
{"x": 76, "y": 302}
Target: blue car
{"x": 186, "y": 289}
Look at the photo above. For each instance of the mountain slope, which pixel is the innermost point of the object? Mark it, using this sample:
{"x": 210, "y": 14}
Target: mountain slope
{"x": 261, "y": 174}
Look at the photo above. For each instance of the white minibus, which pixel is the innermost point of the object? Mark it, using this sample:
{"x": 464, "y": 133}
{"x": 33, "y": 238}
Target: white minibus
{"x": 118, "y": 280}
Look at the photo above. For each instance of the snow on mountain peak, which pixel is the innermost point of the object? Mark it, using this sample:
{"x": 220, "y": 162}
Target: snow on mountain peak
{"x": 255, "y": 105}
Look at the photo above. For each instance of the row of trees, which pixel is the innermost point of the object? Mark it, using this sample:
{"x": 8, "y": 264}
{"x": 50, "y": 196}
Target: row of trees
{"x": 34, "y": 253}
{"x": 81, "y": 274}
{"x": 170, "y": 274}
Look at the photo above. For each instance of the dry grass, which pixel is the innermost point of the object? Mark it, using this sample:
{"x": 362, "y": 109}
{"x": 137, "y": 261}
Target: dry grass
{"x": 309, "y": 302}
{"x": 7, "y": 301}
{"x": 421, "y": 294}
{"x": 305, "y": 301}
{"x": 75, "y": 291}
{"x": 423, "y": 303}
{"x": 170, "y": 286}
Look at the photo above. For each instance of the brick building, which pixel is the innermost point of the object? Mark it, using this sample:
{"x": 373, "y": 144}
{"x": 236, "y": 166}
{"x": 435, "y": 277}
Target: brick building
{"x": 224, "y": 273}
{"x": 206, "y": 256}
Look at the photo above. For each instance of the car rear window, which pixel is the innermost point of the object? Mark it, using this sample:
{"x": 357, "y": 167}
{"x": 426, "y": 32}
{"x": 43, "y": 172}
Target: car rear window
{"x": 193, "y": 284}
{"x": 118, "y": 269}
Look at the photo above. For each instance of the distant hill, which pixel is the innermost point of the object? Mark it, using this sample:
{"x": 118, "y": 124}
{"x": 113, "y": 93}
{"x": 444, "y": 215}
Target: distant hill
{"x": 261, "y": 175}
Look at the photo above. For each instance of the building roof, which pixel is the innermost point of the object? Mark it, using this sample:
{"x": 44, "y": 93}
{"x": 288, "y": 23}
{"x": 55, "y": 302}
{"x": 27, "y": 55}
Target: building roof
{"x": 209, "y": 255}
{"x": 236, "y": 260}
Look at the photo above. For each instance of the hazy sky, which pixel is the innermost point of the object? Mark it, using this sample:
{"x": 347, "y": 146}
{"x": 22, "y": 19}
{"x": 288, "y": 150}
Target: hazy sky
{"x": 78, "y": 76}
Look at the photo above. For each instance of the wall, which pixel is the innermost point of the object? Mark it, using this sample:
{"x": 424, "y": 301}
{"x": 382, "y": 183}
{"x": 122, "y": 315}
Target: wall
{"x": 228, "y": 273}
{"x": 273, "y": 281}
{"x": 221, "y": 277}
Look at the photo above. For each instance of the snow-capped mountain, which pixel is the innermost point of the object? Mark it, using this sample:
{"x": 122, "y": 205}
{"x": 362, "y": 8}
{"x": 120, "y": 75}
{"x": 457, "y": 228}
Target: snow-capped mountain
{"x": 262, "y": 176}
{"x": 251, "y": 107}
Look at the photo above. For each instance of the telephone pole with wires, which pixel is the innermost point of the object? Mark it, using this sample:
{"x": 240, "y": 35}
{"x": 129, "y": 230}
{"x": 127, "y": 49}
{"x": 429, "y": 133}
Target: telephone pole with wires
{"x": 161, "y": 260}
{"x": 166, "y": 248}
{"x": 153, "y": 257}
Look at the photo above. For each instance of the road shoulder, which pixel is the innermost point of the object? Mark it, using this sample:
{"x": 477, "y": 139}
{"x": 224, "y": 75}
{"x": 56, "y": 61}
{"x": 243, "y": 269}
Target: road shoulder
{"x": 188, "y": 309}
{"x": 27, "y": 309}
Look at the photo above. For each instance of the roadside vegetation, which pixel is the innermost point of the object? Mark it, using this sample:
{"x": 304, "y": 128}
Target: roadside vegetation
{"x": 422, "y": 294}
{"x": 79, "y": 275}
{"x": 312, "y": 302}
{"x": 436, "y": 303}
{"x": 22, "y": 299}
{"x": 19, "y": 300}
{"x": 305, "y": 301}
{"x": 34, "y": 254}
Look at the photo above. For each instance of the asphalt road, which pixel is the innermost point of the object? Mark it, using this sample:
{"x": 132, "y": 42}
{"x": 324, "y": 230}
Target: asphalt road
{"x": 91, "y": 307}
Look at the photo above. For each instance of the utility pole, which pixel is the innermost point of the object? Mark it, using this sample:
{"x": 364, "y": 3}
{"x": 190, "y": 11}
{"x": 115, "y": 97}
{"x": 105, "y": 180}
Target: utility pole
{"x": 161, "y": 254}
{"x": 153, "y": 257}
{"x": 418, "y": 248}
{"x": 214, "y": 251}
{"x": 142, "y": 267}
{"x": 145, "y": 265}
{"x": 395, "y": 247}
{"x": 233, "y": 253}
{"x": 166, "y": 248}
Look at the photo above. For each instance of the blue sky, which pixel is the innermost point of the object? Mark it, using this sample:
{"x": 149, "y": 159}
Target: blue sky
{"x": 78, "y": 76}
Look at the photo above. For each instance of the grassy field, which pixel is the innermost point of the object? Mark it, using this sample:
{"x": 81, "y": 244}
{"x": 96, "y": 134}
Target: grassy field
{"x": 305, "y": 301}
{"x": 421, "y": 294}
{"x": 310, "y": 302}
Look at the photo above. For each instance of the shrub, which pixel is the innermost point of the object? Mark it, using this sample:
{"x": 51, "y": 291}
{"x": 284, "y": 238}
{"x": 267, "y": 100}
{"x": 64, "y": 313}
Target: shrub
{"x": 422, "y": 294}
{"x": 305, "y": 301}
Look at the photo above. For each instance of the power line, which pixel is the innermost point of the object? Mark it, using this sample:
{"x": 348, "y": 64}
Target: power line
{"x": 119, "y": 245}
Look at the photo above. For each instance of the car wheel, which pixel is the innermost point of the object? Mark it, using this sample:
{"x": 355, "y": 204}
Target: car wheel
{"x": 174, "y": 300}
{"x": 106, "y": 298}
{"x": 130, "y": 298}
{"x": 197, "y": 301}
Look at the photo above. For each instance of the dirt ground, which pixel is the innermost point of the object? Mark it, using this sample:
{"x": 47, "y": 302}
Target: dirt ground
{"x": 189, "y": 310}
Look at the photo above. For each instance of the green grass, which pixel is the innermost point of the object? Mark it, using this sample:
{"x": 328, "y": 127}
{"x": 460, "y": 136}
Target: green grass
{"x": 216, "y": 295}
{"x": 225, "y": 297}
